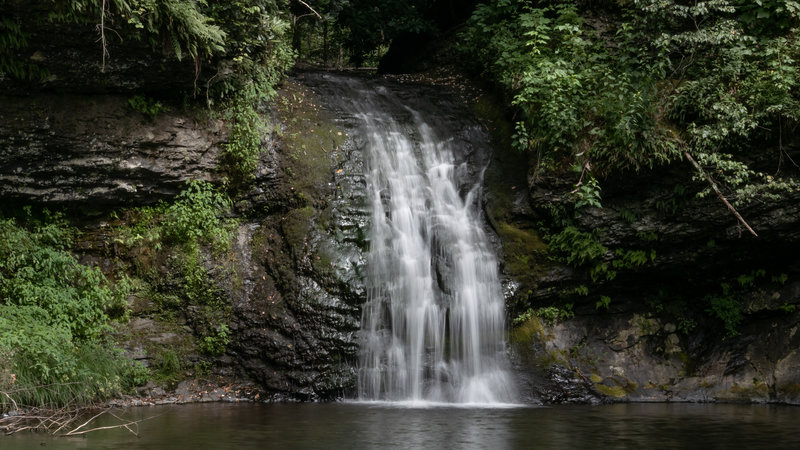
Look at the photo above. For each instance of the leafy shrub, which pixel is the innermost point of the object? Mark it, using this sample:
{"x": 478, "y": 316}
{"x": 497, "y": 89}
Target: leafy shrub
{"x": 37, "y": 272}
{"x": 246, "y": 127}
{"x": 197, "y": 216}
{"x": 215, "y": 342}
{"x": 578, "y": 247}
{"x": 548, "y": 314}
{"x": 717, "y": 79}
{"x": 54, "y": 315}
{"x": 727, "y": 309}
{"x": 181, "y": 234}
{"x": 147, "y": 106}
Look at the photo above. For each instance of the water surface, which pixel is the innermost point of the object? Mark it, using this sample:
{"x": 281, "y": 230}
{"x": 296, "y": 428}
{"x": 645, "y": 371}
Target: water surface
{"x": 381, "y": 425}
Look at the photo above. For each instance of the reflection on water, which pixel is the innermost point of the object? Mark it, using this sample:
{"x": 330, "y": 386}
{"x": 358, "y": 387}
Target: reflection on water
{"x": 380, "y": 425}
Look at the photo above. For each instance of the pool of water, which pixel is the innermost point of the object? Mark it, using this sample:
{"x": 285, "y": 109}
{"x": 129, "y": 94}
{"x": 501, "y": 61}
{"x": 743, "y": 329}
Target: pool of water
{"x": 380, "y": 425}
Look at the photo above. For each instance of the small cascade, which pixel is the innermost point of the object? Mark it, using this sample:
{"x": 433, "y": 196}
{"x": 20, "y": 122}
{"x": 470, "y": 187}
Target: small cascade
{"x": 433, "y": 324}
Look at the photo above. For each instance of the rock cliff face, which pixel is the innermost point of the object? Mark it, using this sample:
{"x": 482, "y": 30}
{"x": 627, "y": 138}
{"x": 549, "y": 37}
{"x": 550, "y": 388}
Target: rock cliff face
{"x": 71, "y": 137}
{"x": 656, "y": 331}
{"x": 94, "y": 149}
{"x": 295, "y": 325}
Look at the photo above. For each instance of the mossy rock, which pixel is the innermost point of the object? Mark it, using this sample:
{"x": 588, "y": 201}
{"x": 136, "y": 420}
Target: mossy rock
{"x": 529, "y": 331}
{"x": 613, "y": 387}
{"x": 611, "y": 391}
{"x": 310, "y": 142}
{"x": 296, "y": 227}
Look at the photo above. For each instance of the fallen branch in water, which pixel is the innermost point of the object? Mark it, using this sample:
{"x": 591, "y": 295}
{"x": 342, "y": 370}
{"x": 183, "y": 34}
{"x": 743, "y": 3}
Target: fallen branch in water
{"x": 53, "y": 421}
{"x": 40, "y": 419}
{"x": 719, "y": 193}
{"x": 126, "y": 425}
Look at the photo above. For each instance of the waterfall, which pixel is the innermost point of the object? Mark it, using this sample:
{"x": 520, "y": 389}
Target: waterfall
{"x": 433, "y": 324}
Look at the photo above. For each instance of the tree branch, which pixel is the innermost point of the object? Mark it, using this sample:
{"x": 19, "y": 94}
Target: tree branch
{"x": 12, "y": 401}
{"x": 719, "y": 193}
{"x": 586, "y": 166}
{"x": 312, "y": 9}
{"x": 103, "y": 34}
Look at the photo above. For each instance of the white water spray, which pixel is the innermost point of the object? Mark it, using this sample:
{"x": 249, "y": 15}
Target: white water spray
{"x": 433, "y": 325}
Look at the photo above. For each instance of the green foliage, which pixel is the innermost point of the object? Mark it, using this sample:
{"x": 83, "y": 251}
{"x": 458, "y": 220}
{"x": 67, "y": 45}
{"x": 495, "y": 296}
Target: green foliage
{"x": 247, "y": 39}
{"x": 54, "y": 316}
{"x": 717, "y": 78}
{"x": 246, "y": 127}
{"x": 604, "y": 302}
{"x": 147, "y": 106}
{"x": 12, "y": 40}
{"x": 581, "y": 290}
{"x": 628, "y": 216}
{"x": 215, "y": 342}
{"x": 578, "y": 247}
{"x": 630, "y": 258}
{"x": 780, "y": 279}
{"x": 548, "y": 314}
{"x": 166, "y": 366}
{"x": 686, "y": 325}
{"x": 368, "y": 25}
{"x": 182, "y": 24}
{"x": 588, "y": 194}
{"x": 726, "y": 308}
{"x": 749, "y": 280}
{"x": 179, "y": 235}
{"x": 261, "y": 57}
{"x": 37, "y": 273}
{"x": 574, "y": 92}
{"x": 197, "y": 216}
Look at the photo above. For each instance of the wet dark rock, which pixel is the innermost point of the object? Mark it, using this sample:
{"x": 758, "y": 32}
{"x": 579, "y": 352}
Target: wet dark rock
{"x": 71, "y": 149}
{"x": 295, "y": 332}
{"x": 565, "y": 386}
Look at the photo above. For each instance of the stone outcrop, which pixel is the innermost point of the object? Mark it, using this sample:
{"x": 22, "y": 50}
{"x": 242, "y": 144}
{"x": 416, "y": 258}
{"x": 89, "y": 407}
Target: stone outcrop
{"x": 68, "y": 149}
{"x": 69, "y": 136}
{"x": 640, "y": 356}
{"x": 657, "y": 337}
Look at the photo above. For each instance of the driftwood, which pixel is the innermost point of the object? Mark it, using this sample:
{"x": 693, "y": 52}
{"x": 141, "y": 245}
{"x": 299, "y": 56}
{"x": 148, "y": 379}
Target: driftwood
{"x": 40, "y": 419}
{"x": 125, "y": 424}
{"x": 57, "y": 421}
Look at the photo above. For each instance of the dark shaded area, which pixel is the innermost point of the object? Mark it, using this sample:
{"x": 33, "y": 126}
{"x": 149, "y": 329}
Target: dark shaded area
{"x": 409, "y": 51}
{"x": 71, "y": 56}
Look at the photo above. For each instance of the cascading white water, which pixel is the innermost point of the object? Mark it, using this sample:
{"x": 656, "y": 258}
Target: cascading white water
{"x": 433, "y": 325}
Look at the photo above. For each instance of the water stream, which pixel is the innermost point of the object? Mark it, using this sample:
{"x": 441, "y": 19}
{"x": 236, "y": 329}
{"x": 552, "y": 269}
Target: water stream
{"x": 433, "y": 324}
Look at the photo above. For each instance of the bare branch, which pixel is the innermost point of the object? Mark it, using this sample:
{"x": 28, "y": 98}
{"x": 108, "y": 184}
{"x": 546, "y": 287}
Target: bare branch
{"x": 12, "y": 400}
{"x": 103, "y": 34}
{"x": 719, "y": 193}
{"x": 87, "y": 422}
{"x": 109, "y": 427}
{"x": 310, "y": 8}
{"x": 586, "y": 166}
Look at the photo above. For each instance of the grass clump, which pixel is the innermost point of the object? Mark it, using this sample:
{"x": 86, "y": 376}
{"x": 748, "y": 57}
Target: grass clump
{"x": 55, "y": 316}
